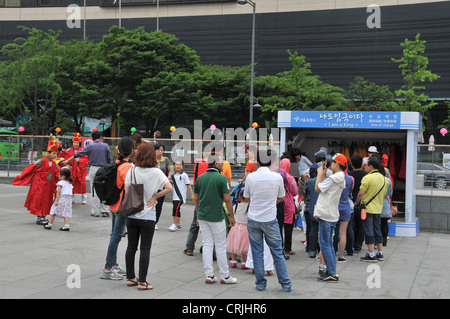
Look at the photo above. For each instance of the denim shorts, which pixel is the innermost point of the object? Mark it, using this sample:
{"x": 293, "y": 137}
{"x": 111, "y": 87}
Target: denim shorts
{"x": 344, "y": 215}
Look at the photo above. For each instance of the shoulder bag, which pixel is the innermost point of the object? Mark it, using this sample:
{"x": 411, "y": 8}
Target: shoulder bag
{"x": 133, "y": 202}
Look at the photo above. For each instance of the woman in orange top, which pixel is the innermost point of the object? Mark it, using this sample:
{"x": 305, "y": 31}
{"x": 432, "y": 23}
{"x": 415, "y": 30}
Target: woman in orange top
{"x": 112, "y": 270}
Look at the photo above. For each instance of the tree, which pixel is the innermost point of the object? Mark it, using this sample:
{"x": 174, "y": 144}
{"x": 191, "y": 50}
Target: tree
{"x": 28, "y": 78}
{"x": 298, "y": 89}
{"x": 78, "y": 98}
{"x": 131, "y": 58}
{"x": 369, "y": 96}
{"x": 414, "y": 67}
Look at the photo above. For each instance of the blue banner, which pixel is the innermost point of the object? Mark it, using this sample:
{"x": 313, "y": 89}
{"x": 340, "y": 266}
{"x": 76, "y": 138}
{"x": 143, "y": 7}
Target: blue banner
{"x": 341, "y": 119}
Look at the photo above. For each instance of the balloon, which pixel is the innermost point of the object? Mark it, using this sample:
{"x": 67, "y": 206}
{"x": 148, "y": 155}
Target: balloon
{"x": 133, "y": 129}
{"x": 58, "y": 130}
{"x": 172, "y": 128}
{"x": 255, "y": 125}
{"x": 212, "y": 127}
{"x": 443, "y": 131}
{"x": 94, "y": 129}
{"x": 21, "y": 129}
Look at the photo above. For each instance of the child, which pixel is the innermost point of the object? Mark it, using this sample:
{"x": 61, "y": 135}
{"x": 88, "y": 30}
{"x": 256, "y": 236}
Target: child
{"x": 238, "y": 241}
{"x": 62, "y": 207}
{"x": 42, "y": 175}
{"x": 181, "y": 183}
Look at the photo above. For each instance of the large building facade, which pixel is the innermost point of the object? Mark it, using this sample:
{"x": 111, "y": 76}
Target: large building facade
{"x": 341, "y": 39}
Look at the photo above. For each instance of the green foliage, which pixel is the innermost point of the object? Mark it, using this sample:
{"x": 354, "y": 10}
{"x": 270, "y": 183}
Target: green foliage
{"x": 369, "y": 96}
{"x": 298, "y": 89}
{"x": 28, "y": 78}
{"x": 414, "y": 67}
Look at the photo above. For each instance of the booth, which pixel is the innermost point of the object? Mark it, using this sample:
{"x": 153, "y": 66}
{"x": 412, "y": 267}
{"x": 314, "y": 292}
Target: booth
{"x": 348, "y": 132}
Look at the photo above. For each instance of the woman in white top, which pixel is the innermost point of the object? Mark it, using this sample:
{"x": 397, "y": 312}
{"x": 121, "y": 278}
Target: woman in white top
{"x": 141, "y": 226}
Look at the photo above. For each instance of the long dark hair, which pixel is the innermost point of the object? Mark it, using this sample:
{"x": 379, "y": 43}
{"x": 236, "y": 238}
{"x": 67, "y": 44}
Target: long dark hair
{"x": 125, "y": 147}
{"x": 66, "y": 173}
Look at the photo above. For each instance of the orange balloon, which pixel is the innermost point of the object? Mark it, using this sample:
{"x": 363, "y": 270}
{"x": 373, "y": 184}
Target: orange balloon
{"x": 58, "y": 129}
{"x": 255, "y": 125}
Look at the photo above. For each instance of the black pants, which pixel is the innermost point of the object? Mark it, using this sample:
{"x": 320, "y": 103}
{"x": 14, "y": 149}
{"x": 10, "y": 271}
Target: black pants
{"x": 139, "y": 230}
{"x": 358, "y": 229}
{"x": 385, "y": 227}
{"x": 158, "y": 207}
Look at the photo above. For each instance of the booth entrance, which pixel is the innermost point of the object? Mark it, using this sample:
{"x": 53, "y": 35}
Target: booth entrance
{"x": 349, "y": 132}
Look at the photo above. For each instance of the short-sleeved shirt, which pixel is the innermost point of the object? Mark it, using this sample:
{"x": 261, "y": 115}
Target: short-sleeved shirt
{"x": 163, "y": 165}
{"x": 226, "y": 171}
{"x": 66, "y": 187}
{"x": 182, "y": 180}
{"x": 370, "y": 185}
{"x": 153, "y": 180}
{"x": 210, "y": 187}
{"x": 263, "y": 188}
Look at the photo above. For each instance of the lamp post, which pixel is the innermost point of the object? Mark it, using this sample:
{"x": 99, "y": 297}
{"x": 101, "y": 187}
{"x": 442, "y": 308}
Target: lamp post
{"x": 244, "y": 2}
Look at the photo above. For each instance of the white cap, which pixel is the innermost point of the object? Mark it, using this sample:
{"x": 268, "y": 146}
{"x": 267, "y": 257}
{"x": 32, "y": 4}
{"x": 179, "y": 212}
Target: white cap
{"x": 373, "y": 149}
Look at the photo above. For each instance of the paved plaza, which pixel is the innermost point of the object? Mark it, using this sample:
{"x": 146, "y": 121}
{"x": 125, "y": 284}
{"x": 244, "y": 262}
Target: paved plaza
{"x": 36, "y": 263}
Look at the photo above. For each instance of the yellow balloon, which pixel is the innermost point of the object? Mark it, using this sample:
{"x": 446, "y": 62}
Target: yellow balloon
{"x": 172, "y": 128}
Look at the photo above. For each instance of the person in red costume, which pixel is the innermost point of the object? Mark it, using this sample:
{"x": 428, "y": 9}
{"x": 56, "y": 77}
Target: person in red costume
{"x": 78, "y": 167}
{"x": 42, "y": 176}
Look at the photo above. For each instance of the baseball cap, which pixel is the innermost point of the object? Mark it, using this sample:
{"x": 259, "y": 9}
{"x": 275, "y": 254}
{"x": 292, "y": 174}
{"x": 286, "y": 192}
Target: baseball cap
{"x": 321, "y": 152}
{"x": 373, "y": 149}
{"x": 338, "y": 158}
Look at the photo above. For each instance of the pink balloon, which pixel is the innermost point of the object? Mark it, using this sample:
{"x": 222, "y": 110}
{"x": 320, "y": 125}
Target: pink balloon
{"x": 21, "y": 129}
{"x": 443, "y": 131}
{"x": 212, "y": 127}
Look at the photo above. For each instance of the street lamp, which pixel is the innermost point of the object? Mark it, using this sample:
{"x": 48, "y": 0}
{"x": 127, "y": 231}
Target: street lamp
{"x": 244, "y": 2}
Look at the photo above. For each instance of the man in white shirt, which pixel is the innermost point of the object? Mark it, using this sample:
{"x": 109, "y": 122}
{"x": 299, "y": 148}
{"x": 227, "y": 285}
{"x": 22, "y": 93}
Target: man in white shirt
{"x": 327, "y": 212}
{"x": 263, "y": 189}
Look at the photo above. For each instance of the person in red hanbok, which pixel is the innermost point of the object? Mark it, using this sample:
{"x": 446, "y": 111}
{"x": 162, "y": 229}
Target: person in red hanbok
{"x": 42, "y": 176}
{"x": 78, "y": 167}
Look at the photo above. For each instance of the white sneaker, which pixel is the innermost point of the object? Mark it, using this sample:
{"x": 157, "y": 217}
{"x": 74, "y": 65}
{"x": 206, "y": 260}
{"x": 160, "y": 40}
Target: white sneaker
{"x": 173, "y": 227}
{"x": 228, "y": 280}
{"x": 210, "y": 280}
{"x": 156, "y": 226}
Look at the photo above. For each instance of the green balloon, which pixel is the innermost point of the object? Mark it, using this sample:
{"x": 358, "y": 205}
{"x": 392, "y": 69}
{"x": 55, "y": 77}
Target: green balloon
{"x": 133, "y": 129}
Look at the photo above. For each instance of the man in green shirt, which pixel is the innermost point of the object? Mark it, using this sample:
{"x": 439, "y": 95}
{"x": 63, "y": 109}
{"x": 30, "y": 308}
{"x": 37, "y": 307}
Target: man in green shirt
{"x": 210, "y": 191}
{"x": 373, "y": 188}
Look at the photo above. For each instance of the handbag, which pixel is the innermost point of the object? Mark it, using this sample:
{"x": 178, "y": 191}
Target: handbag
{"x": 133, "y": 202}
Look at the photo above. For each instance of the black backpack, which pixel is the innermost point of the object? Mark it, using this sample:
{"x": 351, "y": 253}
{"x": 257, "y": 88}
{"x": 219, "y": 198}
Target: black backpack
{"x": 105, "y": 184}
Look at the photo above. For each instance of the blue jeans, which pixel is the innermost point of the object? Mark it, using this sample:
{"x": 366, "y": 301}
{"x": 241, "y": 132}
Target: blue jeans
{"x": 118, "y": 228}
{"x": 271, "y": 232}
{"x": 326, "y": 230}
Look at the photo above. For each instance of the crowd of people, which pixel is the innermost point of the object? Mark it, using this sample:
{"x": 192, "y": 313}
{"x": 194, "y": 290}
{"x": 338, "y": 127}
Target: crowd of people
{"x": 342, "y": 202}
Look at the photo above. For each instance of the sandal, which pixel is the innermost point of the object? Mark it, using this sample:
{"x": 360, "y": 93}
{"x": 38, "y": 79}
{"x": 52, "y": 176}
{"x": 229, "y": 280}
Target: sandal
{"x": 132, "y": 282}
{"x": 144, "y": 286}
{"x": 290, "y": 252}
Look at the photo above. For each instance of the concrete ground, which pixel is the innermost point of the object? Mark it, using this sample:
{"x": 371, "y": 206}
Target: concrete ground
{"x": 37, "y": 263}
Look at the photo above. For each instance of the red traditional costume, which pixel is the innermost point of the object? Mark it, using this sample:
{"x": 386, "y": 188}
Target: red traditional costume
{"x": 43, "y": 176}
{"x": 78, "y": 169}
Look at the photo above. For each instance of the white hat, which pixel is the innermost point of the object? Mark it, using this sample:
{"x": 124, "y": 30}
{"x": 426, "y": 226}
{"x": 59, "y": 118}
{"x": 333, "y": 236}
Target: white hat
{"x": 373, "y": 149}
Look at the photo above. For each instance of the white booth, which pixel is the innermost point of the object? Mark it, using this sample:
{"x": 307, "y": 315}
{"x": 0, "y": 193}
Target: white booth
{"x": 350, "y": 132}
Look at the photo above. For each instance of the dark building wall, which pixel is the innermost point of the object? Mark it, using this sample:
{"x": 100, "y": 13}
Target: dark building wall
{"x": 337, "y": 43}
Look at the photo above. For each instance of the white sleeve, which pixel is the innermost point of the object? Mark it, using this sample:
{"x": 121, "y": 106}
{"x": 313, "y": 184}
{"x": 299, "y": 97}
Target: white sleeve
{"x": 186, "y": 179}
{"x": 326, "y": 184}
